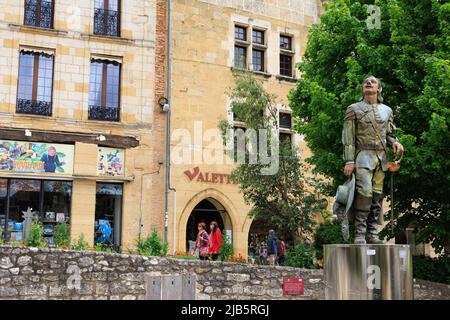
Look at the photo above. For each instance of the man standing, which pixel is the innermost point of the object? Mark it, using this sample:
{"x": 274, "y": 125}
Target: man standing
{"x": 272, "y": 247}
{"x": 368, "y": 129}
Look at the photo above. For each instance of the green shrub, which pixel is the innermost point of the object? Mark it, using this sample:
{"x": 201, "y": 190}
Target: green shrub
{"x": 99, "y": 247}
{"x": 36, "y": 237}
{"x": 329, "y": 232}
{"x": 1, "y": 236}
{"x": 432, "y": 269}
{"x": 226, "y": 250}
{"x": 62, "y": 235}
{"x": 152, "y": 245}
{"x": 300, "y": 257}
{"x": 81, "y": 244}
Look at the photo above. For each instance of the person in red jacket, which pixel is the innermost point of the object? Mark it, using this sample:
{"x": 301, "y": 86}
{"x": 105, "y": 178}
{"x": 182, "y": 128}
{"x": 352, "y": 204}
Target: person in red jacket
{"x": 215, "y": 240}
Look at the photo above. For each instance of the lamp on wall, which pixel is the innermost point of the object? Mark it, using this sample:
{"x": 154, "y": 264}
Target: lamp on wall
{"x": 101, "y": 138}
{"x": 27, "y": 133}
{"x": 164, "y": 104}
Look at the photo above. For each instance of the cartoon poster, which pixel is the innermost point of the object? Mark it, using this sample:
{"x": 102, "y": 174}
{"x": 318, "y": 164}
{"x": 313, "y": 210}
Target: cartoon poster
{"x": 36, "y": 157}
{"x": 110, "y": 161}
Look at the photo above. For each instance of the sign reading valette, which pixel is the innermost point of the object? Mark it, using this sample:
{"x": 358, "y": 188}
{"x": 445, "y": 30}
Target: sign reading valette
{"x": 211, "y": 177}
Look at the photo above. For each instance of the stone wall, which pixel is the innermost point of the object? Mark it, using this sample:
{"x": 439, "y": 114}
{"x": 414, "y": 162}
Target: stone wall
{"x": 31, "y": 273}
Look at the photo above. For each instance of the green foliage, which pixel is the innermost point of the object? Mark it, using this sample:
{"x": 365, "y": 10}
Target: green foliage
{"x": 432, "y": 269}
{"x": 284, "y": 197}
{"x": 36, "y": 237}
{"x": 300, "y": 257}
{"x": 411, "y": 56}
{"x": 1, "y": 236}
{"x": 152, "y": 245}
{"x": 329, "y": 232}
{"x": 61, "y": 235}
{"x": 99, "y": 247}
{"x": 81, "y": 244}
{"x": 226, "y": 250}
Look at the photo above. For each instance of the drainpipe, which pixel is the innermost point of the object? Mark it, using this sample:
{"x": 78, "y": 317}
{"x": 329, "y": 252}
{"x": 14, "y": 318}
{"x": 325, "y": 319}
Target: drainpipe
{"x": 174, "y": 236}
{"x": 166, "y": 217}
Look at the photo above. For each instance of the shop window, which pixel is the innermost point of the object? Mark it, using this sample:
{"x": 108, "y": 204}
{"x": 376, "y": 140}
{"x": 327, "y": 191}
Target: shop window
{"x": 34, "y": 95}
{"x": 108, "y": 215}
{"x": 49, "y": 200}
{"x": 39, "y": 13}
{"x": 107, "y": 17}
{"x": 104, "y": 90}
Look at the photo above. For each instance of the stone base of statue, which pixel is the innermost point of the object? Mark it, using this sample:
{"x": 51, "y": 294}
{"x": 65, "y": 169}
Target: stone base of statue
{"x": 368, "y": 272}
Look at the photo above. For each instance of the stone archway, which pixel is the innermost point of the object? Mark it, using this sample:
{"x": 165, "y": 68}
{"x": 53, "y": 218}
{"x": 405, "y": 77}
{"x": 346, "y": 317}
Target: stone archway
{"x": 218, "y": 203}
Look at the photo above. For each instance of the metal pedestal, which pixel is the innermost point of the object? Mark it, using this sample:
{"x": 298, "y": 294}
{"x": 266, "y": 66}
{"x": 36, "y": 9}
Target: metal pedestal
{"x": 368, "y": 272}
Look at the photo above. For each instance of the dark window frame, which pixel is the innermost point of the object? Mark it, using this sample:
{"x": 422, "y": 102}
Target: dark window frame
{"x": 46, "y": 110}
{"x": 38, "y": 21}
{"x": 286, "y": 45}
{"x": 240, "y": 28}
{"x": 283, "y": 118}
{"x": 262, "y": 63}
{"x": 286, "y": 67}
{"x": 262, "y": 33}
{"x": 103, "y": 104}
{"x": 106, "y": 28}
{"x": 244, "y": 66}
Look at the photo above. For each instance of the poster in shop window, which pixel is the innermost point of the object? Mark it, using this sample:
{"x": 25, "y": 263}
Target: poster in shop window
{"x": 36, "y": 157}
{"x": 110, "y": 161}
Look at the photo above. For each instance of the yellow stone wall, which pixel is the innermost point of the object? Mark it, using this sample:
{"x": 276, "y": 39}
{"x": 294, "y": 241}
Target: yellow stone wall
{"x": 202, "y": 57}
{"x": 73, "y": 43}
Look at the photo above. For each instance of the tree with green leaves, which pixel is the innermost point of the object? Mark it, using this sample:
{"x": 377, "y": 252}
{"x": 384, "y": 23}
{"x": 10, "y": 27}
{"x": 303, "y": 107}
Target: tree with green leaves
{"x": 284, "y": 198}
{"x": 410, "y": 53}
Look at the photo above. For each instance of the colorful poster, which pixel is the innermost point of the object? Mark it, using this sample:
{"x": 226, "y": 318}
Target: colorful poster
{"x": 36, "y": 157}
{"x": 110, "y": 162}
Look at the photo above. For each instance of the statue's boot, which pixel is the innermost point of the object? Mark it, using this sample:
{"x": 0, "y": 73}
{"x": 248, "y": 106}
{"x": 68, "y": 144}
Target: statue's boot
{"x": 361, "y": 209}
{"x": 376, "y": 209}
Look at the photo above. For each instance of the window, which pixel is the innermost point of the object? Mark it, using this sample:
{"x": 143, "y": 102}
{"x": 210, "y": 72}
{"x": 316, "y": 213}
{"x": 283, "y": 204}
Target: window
{"x": 258, "y": 60}
{"x": 240, "y": 33}
{"x": 107, "y": 17}
{"x": 286, "y": 42}
{"x": 240, "y": 57}
{"x": 104, "y": 88}
{"x": 108, "y": 215}
{"x": 48, "y": 200}
{"x": 258, "y": 37}
{"x": 35, "y": 82}
{"x": 285, "y": 120}
{"x": 286, "y": 65}
{"x": 39, "y": 13}
{"x": 285, "y": 138}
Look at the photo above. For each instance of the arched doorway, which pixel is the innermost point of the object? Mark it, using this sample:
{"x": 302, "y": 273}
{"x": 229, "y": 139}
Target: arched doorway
{"x": 206, "y": 211}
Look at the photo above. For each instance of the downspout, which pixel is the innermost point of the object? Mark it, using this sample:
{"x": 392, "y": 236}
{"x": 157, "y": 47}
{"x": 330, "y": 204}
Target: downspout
{"x": 166, "y": 217}
{"x": 174, "y": 235}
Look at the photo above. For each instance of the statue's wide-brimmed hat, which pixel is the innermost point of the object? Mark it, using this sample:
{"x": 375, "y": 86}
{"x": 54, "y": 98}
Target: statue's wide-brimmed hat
{"x": 344, "y": 197}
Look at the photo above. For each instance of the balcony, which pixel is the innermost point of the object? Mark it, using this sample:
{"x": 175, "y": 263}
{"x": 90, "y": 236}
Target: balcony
{"x": 106, "y": 22}
{"x": 41, "y": 108}
{"x": 39, "y": 13}
{"x": 103, "y": 113}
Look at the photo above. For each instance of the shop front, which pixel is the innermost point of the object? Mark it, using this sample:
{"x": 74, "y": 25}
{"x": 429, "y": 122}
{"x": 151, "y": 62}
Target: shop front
{"x": 78, "y": 184}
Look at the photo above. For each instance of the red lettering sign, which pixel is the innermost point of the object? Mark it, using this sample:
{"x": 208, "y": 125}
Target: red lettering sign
{"x": 293, "y": 286}
{"x": 211, "y": 177}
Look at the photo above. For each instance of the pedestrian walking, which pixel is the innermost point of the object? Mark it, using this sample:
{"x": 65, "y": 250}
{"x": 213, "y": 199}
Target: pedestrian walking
{"x": 202, "y": 243}
{"x": 215, "y": 240}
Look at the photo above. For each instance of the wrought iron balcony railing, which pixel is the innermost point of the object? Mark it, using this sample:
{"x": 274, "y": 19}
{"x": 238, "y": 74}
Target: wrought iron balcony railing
{"x": 42, "y": 108}
{"x": 103, "y": 113}
{"x": 39, "y": 13}
{"x": 107, "y": 22}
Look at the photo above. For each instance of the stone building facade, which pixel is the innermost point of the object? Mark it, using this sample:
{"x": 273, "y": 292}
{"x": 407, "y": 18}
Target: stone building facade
{"x": 83, "y": 77}
{"x": 210, "y": 39}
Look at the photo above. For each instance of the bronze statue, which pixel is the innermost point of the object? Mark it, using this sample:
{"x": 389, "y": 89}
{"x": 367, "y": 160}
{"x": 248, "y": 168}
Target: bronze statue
{"x": 368, "y": 130}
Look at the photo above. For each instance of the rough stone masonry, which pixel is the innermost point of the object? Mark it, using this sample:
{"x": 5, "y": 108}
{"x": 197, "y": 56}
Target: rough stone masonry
{"x": 31, "y": 273}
